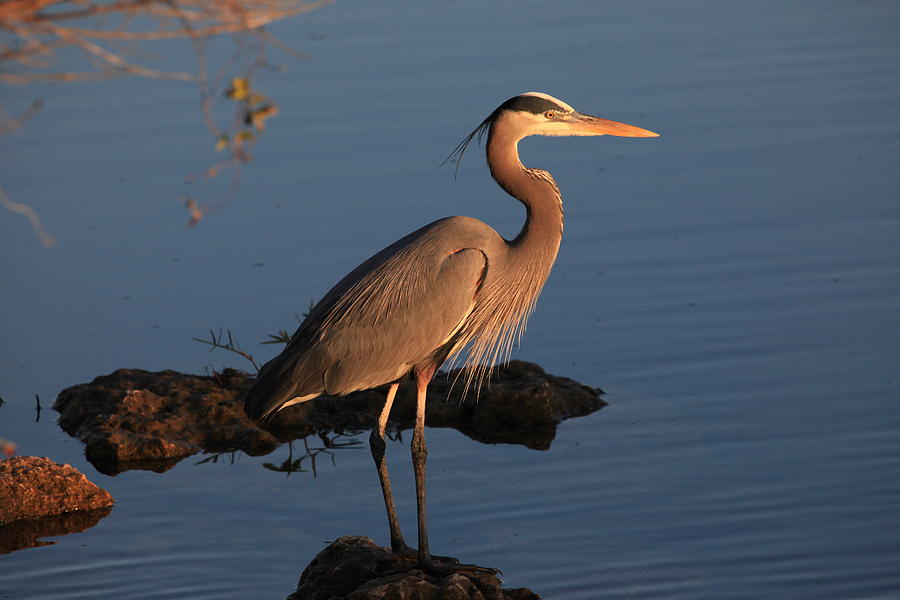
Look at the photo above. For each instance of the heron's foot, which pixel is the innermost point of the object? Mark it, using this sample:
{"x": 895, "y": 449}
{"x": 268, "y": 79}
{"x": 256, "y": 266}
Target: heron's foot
{"x": 404, "y": 551}
{"x": 437, "y": 566}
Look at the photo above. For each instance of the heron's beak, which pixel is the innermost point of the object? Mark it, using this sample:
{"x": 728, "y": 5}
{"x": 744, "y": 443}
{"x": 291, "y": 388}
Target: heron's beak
{"x": 587, "y": 125}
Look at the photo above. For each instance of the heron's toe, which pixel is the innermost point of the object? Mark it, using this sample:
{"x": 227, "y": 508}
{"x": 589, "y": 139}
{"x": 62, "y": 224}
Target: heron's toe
{"x": 441, "y": 566}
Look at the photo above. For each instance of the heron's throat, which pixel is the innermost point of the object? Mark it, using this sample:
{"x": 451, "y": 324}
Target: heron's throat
{"x": 536, "y": 189}
{"x": 515, "y": 278}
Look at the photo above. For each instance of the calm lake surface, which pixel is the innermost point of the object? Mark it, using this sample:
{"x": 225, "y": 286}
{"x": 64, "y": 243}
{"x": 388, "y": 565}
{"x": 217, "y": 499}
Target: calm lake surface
{"x": 733, "y": 285}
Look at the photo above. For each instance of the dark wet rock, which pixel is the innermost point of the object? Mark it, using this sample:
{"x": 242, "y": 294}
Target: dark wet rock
{"x": 355, "y": 568}
{"x": 33, "y": 487}
{"x": 138, "y": 419}
{"x": 522, "y": 404}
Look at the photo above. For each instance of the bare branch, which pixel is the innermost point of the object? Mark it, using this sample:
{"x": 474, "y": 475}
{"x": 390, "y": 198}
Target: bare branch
{"x": 10, "y": 124}
{"x": 105, "y": 33}
{"x": 40, "y": 33}
{"x": 282, "y": 337}
{"x": 229, "y": 345}
{"x": 32, "y": 216}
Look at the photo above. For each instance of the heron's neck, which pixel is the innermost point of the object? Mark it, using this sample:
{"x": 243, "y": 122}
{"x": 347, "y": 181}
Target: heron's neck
{"x": 539, "y": 239}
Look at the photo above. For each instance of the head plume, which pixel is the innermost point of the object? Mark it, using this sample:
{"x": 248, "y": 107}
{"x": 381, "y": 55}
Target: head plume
{"x": 533, "y": 102}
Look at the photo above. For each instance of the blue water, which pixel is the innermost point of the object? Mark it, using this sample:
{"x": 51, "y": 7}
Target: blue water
{"x": 733, "y": 285}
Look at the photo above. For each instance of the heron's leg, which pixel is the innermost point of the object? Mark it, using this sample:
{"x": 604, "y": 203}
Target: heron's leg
{"x": 419, "y": 455}
{"x": 377, "y": 444}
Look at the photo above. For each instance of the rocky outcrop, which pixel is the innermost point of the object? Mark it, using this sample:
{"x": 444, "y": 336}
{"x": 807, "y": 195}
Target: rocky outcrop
{"x": 355, "y": 568}
{"x": 139, "y": 419}
{"x": 32, "y": 487}
{"x": 522, "y": 404}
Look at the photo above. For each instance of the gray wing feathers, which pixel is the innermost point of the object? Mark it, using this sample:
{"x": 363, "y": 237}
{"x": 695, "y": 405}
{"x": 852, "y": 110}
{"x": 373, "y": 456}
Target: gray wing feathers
{"x": 391, "y": 312}
{"x": 392, "y": 327}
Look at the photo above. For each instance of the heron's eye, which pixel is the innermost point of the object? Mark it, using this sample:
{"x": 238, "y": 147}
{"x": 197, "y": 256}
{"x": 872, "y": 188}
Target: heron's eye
{"x": 549, "y": 114}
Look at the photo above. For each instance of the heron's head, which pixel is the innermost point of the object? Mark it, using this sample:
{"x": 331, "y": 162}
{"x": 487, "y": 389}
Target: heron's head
{"x": 536, "y": 113}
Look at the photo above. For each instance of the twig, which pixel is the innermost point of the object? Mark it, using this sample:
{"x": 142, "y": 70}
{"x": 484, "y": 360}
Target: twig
{"x": 282, "y": 337}
{"x": 41, "y": 28}
{"x": 10, "y": 124}
{"x": 231, "y": 346}
{"x": 27, "y": 20}
{"x": 32, "y": 216}
{"x": 114, "y": 60}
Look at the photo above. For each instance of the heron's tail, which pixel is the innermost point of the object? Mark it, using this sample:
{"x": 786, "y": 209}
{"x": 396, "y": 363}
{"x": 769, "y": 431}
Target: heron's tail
{"x": 276, "y": 386}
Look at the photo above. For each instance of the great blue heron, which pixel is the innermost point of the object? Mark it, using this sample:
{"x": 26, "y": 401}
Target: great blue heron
{"x": 454, "y": 286}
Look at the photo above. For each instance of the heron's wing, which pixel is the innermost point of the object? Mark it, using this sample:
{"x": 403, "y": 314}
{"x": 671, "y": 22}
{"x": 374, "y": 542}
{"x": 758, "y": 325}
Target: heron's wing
{"x": 390, "y": 322}
{"x": 389, "y": 313}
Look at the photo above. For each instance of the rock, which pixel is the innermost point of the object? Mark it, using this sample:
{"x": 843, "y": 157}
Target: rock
{"x": 355, "y": 568}
{"x": 138, "y": 419}
{"x": 521, "y": 404}
{"x": 32, "y": 487}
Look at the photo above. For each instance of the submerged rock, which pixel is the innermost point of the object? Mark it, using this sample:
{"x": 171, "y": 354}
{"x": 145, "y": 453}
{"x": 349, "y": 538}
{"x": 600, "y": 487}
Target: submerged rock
{"x": 139, "y": 419}
{"x": 355, "y": 568}
{"x": 33, "y": 487}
